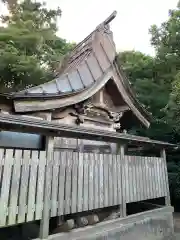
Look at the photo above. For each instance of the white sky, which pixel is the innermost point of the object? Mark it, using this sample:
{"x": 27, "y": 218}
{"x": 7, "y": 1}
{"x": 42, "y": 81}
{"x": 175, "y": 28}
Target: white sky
{"x": 130, "y": 27}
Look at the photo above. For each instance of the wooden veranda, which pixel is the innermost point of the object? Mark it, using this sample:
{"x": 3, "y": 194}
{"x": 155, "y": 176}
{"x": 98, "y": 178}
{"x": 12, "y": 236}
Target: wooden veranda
{"x": 38, "y": 185}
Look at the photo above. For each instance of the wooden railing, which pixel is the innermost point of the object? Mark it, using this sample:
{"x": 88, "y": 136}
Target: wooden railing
{"x": 78, "y": 182}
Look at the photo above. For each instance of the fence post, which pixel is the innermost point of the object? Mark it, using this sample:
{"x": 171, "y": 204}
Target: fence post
{"x": 44, "y": 224}
{"x": 167, "y": 197}
{"x": 123, "y": 181}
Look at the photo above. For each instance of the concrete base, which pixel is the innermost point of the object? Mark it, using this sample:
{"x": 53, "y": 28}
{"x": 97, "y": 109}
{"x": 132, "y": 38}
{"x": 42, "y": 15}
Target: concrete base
{"x": 152, "y": 225}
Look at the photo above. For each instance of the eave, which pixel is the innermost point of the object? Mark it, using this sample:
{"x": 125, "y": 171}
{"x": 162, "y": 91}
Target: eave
{"x": 44, "y": 127}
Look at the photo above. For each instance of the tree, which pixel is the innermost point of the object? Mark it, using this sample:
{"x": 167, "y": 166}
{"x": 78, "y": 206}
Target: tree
{"x": 11, "y": 4}
{"x": 29, "y": 47}
{"x": 147, "y": 81}
{"x": 166, "y": 40}
{"x": 157, "y": 84}
{"x": 141, "y": 71}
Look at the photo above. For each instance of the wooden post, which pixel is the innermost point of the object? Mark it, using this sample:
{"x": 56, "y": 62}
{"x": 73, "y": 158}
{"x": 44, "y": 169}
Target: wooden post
{"x": 167, "y": 197}
{"x": 123, "y": 205}
{"x": 44, "y": 224}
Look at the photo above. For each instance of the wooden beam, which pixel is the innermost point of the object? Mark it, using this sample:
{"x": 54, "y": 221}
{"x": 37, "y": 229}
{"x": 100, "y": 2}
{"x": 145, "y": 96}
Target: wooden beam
{"x": 30, "y": 125}
{"x": 44, "y": 223}
{"x": 123, "y": 210}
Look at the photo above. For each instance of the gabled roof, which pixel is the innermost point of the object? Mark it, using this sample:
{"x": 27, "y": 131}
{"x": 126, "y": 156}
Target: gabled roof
{"x": 84, "y": 71}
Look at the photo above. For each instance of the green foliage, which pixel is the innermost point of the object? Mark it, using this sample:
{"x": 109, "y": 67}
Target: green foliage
{"x": 156, "y": 82}
{"x": 29, "y": 47}
{"x": 166, "y": 40}
{"x": 141, "y": 71}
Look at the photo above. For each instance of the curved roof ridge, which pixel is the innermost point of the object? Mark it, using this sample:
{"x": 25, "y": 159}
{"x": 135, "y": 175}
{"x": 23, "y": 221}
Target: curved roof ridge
{"x": 83, "y": 66}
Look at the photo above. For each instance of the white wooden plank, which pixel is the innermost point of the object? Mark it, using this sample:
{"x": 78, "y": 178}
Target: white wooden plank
{"x": 157, "y": 177}
{"x": 115, "y": 198}
{"x": 61, "y": 192}
{"x": 69, "y": 160}
{"x": 55, "y": 174}
{"x": 166, "y": 182}
{"x": 2, "y": 151}
{"x": 151, "y": 176}
{"x": 148, "y": 178}
{"x": 135, "y": 198}
{"x": 125, "y": 165}
{"x": 24, "y": 187}
{"x": 91, "y": 181}
{"x": 32, "y": 186}
{"x": 80, "y": 183}
{"x": 146, "y": 186}
{"x": 6, "y": 179}
{"x": 163, "y": 178}
{"x": 143, "y": 178}
{"x": 74, "y": 183}
{"x": 160, "y": 177}
{"x": 96, "y": 182}
{"x": 15, "y": 183}
{"x": 86, "y": 184}
{"x": 135, "y": 180}
{"x": 137, "y": 176}
{"x": 101, "y": 181}
{"x": 106, "y": 180}
{"x": 121, "y": 181}
{"x": 110, "y": 181}
{"x": 40, "y": 185}
{"x": 154, "y": 177}
{"x": 130, "y": 180}
{"x": 155, "y": 186}
{"x": 141, "y": 171}
{"x": 123, "y": 210}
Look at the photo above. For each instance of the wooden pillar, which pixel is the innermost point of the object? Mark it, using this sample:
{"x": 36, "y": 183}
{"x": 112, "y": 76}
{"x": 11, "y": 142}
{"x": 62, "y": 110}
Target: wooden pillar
{"x": 123, "y": 187}
{"x": 167, "y": 197}
{"x": 44, "y": 224}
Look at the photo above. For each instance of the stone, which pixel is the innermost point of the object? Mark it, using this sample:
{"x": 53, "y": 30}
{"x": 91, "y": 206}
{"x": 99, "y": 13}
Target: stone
{"x": 92, "y": 219}
{"x": 65, "y": 226}
{"x": 82, "y": 221}
{"x": 113, "y": 215}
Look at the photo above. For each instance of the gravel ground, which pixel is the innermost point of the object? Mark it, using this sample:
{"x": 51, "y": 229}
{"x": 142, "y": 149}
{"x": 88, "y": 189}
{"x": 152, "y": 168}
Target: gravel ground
{"x": 178, "y": 236}
{"x": 177, "y": 225}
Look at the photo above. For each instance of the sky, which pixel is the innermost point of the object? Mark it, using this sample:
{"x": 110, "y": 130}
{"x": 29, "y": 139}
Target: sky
{"x": 130, "y": 27}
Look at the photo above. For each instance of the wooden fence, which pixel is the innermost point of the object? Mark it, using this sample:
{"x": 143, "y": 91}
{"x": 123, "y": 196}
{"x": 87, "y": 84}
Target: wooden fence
{"x": 79, "y": 182}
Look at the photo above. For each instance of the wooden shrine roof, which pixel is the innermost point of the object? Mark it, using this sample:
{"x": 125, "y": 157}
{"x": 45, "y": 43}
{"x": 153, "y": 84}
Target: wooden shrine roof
{"x": 84, "y": 72}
